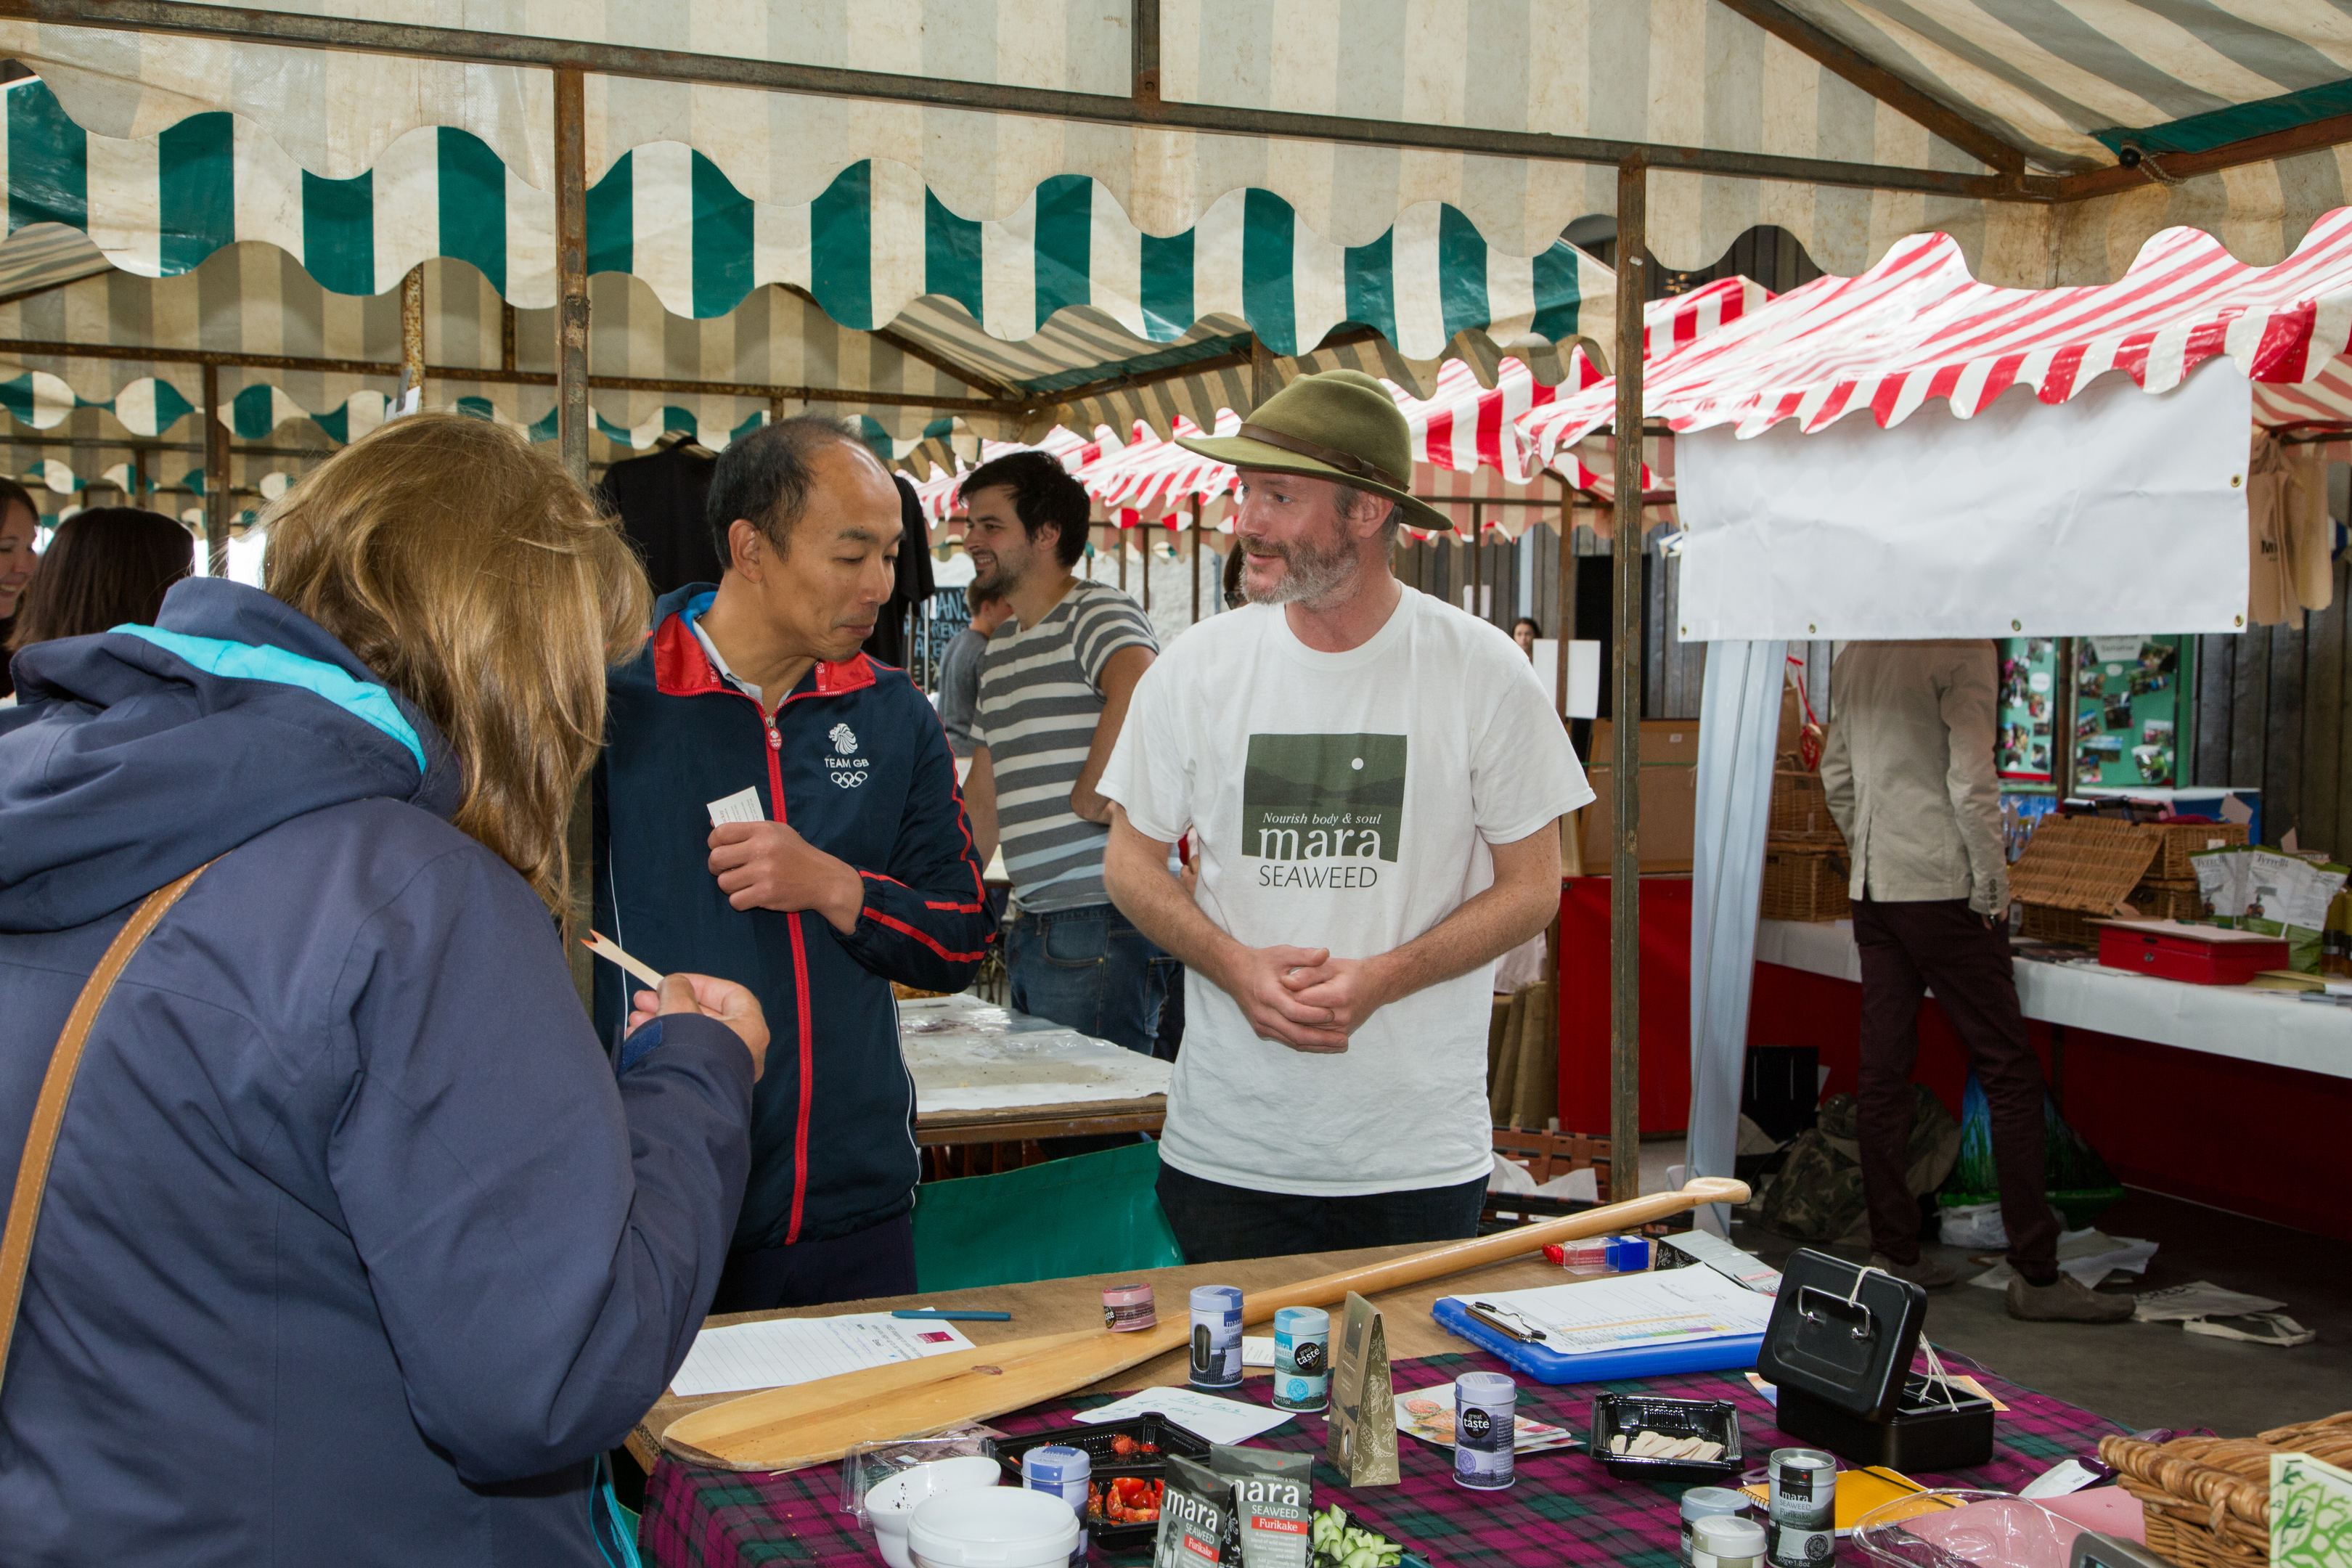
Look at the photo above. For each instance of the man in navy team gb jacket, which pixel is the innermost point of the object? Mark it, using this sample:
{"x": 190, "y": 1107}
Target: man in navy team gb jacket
{"x": 837, "y": 857}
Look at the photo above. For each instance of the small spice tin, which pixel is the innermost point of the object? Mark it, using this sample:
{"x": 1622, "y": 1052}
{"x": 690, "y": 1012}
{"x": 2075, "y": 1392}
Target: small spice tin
{"x": 1127, "y": 1308}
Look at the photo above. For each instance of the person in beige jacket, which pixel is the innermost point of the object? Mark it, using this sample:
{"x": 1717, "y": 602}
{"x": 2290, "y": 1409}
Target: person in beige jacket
{"x": 1908, "y": 771}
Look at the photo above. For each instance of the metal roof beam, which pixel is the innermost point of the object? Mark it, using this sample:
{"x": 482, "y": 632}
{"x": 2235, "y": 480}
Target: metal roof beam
{"x": 1978, "y": 139}
{"x": 19, "y": 347}
{"x": 2170, "y": 168}
{"x": 468, "y": 47}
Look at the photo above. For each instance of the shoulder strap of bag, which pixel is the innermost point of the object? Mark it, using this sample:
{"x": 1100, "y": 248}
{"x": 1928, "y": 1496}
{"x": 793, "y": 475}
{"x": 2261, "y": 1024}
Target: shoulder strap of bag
{"x": 49, "y": 1110}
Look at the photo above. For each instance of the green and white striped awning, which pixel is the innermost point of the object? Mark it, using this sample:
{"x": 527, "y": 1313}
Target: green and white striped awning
{"x": 866, "y": 246}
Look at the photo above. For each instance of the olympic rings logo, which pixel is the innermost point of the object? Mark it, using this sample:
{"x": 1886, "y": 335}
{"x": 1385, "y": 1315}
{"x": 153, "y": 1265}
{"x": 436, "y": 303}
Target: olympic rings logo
{"x": 849, "y": 781}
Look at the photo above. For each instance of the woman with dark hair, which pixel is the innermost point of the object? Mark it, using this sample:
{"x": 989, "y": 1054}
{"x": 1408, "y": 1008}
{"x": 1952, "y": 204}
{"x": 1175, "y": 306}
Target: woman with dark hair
{"x": 358, "y": 1245}
{"x": 1523, "y": 632}
{"x": 19, "y": 520}
{"x": 108, "y": 566}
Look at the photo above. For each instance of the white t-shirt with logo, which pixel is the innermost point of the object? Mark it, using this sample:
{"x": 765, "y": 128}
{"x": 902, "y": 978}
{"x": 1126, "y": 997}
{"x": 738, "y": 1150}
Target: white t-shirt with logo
{"x": 1340, "y": 800}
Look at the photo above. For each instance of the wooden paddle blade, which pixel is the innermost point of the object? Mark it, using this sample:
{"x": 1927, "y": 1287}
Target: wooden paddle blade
{"x": 812, "y": 1423}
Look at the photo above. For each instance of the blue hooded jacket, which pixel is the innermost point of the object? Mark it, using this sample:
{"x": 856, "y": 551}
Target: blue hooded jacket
{"x": 355, "y": 1249}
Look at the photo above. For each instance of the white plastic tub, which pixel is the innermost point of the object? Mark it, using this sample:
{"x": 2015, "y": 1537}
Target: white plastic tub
{"x": 890, "y": 1505}
{"x": 1006, "y": 1527}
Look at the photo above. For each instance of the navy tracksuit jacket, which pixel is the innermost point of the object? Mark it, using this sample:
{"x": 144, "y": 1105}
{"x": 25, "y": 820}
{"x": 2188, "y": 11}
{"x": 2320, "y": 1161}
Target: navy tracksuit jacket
{"x": 855, "y": 760}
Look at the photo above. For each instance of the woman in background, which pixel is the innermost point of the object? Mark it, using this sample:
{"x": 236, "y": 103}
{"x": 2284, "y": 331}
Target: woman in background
{"x": 19, "y": 519}
{"x": 1523, "y": 632}
{"x": 105, "y": 567}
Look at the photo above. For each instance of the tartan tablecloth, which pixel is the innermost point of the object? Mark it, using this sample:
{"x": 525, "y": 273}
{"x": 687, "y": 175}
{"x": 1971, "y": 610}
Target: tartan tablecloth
{"x": 1565, "y": 1508}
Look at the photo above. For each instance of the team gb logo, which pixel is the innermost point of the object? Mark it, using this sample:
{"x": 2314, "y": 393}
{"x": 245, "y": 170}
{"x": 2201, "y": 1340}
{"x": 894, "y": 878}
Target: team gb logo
{"x": 846, "y": 767}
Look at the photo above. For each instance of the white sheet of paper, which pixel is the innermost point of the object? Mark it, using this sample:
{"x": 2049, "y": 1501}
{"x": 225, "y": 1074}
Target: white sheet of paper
{"x": 802, "y": 1349}
{"x": 1257, "y": 1351}
{"x": 743, "y": 806}
{"x": 1204, "y": 1414}
{"x": 1630, "y": 1310}
{"x": 2089, "y": 1255}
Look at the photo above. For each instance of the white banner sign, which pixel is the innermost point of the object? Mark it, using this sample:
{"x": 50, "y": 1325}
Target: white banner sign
{"x": 2112, "y": 513}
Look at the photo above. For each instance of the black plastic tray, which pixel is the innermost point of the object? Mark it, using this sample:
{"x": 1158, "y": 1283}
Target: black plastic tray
{"x": 1718, "y": 1420}
{"x": 1105, "y": 1464}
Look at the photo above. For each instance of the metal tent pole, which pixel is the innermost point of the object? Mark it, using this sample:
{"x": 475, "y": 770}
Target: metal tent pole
{"x": 1196, "y": 561}
{"x": 1625, "y": 729}
{"x": 412, "y": 334}
{"x": 1563, "y": 618}
{"x": 571, "y": 269}
{"x": 216, "y": 478}
{"x": 572, "y": 441}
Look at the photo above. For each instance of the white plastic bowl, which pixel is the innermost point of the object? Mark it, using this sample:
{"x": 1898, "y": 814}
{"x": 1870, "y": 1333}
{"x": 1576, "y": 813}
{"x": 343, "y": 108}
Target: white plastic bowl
{"x": 890, "y": 1505}
{"x": 1009, "y": 1527}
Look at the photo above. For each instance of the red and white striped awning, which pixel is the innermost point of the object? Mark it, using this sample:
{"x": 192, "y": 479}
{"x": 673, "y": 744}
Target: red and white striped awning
{"x": 1918, "y": 326}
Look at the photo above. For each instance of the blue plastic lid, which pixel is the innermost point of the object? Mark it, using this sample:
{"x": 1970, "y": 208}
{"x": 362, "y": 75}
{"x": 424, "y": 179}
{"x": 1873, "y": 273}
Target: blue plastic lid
{"x": 1055, "y": 1463}
{"x": 1296, "y": 1321}
{"x": 1216, "y": 1299}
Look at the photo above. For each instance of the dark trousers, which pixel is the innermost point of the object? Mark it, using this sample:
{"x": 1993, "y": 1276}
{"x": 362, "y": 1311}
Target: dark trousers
{"x": 876, "y": 1261}
{"x": 1907, "y": 948}
{"x": 1217, "y": 1224}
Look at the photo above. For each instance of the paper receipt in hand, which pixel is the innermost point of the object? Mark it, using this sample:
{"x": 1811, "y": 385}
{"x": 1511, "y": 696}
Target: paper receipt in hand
{"x": 743, "y": 806}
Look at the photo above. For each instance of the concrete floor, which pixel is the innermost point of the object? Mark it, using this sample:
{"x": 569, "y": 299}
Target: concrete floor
{"x": 2153, "y": 1374}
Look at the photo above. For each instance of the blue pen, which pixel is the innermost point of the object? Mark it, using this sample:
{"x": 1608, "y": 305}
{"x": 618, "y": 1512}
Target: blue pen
{"x": 943, "y": 1315}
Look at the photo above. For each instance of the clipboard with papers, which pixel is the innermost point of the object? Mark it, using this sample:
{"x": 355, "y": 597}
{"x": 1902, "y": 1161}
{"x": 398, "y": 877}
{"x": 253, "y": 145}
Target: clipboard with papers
{"x": 1630, "y": 1325}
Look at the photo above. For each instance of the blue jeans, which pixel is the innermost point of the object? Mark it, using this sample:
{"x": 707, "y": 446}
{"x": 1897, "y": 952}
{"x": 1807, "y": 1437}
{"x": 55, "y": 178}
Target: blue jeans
{"x": 1087, "y": 969}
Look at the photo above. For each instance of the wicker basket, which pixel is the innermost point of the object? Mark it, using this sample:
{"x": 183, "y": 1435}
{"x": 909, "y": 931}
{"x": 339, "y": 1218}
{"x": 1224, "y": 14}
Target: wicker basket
{"x": 2168, "y": 900}
{"x": 2182, "y": 839}
{"x": 1799, "y": 804}
{"x": 2076, "y": 867}
{"x": 2207, "y": 1499}
{"x": 1805, "y": 881}
{"x": 2049, "y": 922}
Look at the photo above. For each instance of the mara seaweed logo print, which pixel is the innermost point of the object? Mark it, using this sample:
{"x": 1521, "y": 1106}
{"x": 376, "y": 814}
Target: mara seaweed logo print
{"x": 842, "y": 764}
{"x": 1323, "y": 811}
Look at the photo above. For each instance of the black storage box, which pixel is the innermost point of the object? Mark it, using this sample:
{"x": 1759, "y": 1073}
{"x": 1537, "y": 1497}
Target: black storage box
{"x": 1839, "y": 1348}
{"x": 1923, "y": 1435}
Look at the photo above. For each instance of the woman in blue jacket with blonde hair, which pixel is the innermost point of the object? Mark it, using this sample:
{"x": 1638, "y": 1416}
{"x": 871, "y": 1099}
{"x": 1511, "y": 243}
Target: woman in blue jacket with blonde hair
{"x": 357, "y": 1247}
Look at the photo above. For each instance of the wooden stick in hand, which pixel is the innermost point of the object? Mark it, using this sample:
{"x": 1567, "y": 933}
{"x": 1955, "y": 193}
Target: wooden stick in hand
{"x": 605, "y": 947}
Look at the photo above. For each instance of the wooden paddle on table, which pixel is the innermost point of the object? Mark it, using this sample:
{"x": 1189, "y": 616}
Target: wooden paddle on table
{"x": 812, "y": 1423}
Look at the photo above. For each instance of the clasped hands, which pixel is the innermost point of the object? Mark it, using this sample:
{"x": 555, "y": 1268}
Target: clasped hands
{"x": 769, "y": 866}
{"x": 1302, "y": 996}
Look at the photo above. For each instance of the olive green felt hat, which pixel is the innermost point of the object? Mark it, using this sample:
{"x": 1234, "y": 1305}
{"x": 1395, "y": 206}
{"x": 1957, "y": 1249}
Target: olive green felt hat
{"x": 1341, "y": 424}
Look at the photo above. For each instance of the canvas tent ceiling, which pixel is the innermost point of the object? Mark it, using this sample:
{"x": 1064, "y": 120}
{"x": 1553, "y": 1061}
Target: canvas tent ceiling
{"x": 689, "y": 269}
{"x": 1956, "y": 97}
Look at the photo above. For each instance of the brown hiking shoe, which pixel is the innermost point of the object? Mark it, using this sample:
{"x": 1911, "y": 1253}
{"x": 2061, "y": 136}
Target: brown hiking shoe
{"x": 1923, "y": 1271}
{"x": 2066, "y": 1299}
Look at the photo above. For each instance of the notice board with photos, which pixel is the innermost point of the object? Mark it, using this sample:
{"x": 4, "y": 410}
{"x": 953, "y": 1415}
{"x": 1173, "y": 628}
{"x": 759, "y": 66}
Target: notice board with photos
{"x": 2128, "y": 708}
{"x": 2026, "y": 736}
{"x": 2126, "y": 721}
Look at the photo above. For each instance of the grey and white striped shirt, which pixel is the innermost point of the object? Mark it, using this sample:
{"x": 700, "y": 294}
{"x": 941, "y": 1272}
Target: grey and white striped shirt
{"x": 1040, "y": 699}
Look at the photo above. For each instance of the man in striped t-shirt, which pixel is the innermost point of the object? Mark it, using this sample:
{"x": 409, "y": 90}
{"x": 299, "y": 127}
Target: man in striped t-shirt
{"x": 1053, "y": 691}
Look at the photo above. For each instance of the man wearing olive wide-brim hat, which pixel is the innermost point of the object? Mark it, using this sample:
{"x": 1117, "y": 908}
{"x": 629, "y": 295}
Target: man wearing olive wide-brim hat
{"x": 1373, "y": 781}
